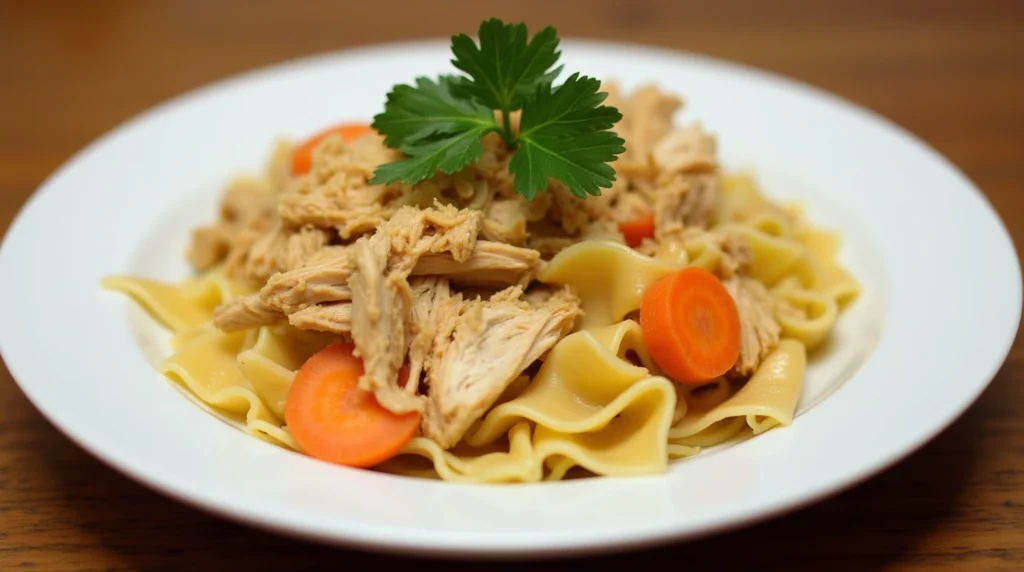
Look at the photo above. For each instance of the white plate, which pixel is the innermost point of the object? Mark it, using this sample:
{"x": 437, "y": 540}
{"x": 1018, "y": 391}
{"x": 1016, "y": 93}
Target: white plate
{"x": 940, "y": 309}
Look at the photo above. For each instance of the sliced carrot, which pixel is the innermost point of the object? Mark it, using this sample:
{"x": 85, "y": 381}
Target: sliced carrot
{"x": 690, "y": 325}
{"x": 332, "y": 419}
{"x": 636, "y": 230}
{"x": 302, "y": 157}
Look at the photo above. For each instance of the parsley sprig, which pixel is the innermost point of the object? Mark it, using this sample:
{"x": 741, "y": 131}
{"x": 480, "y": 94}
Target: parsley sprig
{"x": 564, "y": 131}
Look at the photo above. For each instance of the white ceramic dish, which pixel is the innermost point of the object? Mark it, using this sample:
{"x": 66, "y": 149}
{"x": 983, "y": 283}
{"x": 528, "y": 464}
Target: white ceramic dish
{"x": 939, "y": 312}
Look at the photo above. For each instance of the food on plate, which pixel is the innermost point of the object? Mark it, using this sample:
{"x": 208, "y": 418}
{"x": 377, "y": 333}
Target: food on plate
{"x": 502, "y": 278}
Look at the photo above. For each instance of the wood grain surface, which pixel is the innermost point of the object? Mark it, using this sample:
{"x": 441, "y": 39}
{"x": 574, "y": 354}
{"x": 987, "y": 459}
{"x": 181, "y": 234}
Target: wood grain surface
{"x": 951, "y": 72}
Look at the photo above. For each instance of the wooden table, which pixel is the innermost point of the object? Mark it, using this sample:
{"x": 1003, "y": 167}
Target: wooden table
{"x": 953, "y": 74}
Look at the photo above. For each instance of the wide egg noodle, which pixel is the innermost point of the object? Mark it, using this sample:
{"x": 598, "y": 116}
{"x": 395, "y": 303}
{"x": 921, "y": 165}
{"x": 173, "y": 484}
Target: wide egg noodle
{"x": 179, "y": 307}
{"x": 832, "y": 279}
{"x": 811, "y": 313}
{"x": 208, "y": 367}
{"x": 774, "y": 257}
{"x": 243, "y": 377}
{"x": 513, "y": 459}
{"x": 272, "y": 361}
{"x": 766, "y": 400}
{"x": 587, "y": 406}
{"x": 797, "y": 261}
{"x": 610, "y": 278}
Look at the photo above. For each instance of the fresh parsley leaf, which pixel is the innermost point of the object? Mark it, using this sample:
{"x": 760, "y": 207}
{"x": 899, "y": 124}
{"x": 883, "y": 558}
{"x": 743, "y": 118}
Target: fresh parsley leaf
{"x": 564, "y": 134}
{"x": 506, "y": 69}
{"x": 449, "y": 154}
{"x": 436, "y": 130}
{"x": 426, "y": 110}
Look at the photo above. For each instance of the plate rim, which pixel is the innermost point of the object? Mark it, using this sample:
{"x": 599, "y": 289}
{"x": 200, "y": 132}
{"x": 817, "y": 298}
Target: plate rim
{"x": 471, "y": 546}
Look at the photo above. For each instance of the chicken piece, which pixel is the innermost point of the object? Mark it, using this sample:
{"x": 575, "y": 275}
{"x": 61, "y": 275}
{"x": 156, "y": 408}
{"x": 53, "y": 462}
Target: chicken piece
{"x": 413, "y": 232}
{"x": 721, "y": 254}
{"x": 246, "y": 212}
{"x": 688, "y": 200}
{"x": 504, "y": 222}
{"x": 382, "y": 296}
{"x": 326, "y": 253}
{"x": 335, "y": 318}
{"x": 281, "y": 249}
{"x": 279, "y": 167}
{"x": 646, "y": 119}
{"x": 261, "y": 259}
{"x": 533, "y": 210}
{"x": 352, "y": 213}
{"x": 380, "y": 303}
{"x": 209, "y": 246}
{"x": 320, "y": 281}
{"x": 483, "y": 348}
{"x": 324, "y": 280}
{"x": 603, "y": 229}
{"x": 430, "y": 296}
{"x": 245, "y": 312}
{"x": 631, "y": 206}
{"x": 301, "y": 246}
{"x": 336, "y": 191}
{"x": 240, "y": 242}
{"x": 248, "y": 203}
{"x": 491, "y": 264}
{"x": 760, "y": 332}
{"x": 567, "y": 210}
{"x": 686, "y": 150}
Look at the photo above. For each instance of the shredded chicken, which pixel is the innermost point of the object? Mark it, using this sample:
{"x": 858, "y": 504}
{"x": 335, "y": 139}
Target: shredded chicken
{"x": 646, "y": 119}
{"x": 431, "y": 298}
{"x": 324, "y": 280}
{"x": 723, "y": 254}
{"x": 245, "y": 312}
{"x": 489, "y": 264}
{"x": 382, "y": 297}
{"x": 760, "y": 332}
{"x": 281, "y": 250}
{"x": 335, "y": 318}
{"x": 686, "y": 150}
{"x": 380, "y": 301}
{"x": 505, "y": 222}
{"x": 336, "y": 193}
{"x": 279, "y": 166}
{"x": 680, "y": 199}
{"x": 482, "y": 350}
{"x": 246, "y": 212}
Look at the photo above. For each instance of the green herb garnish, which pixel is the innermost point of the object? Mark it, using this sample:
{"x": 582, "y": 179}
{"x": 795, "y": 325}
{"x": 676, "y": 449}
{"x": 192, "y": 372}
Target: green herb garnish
{"x": 564, "y": 131}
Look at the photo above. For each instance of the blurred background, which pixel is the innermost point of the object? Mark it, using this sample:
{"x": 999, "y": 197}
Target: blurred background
{"x": 951, "y": 72}
{"x": 73, "y": 69}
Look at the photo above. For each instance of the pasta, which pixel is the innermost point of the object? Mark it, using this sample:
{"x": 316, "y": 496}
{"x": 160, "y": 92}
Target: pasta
{"x": 587, "y": 405}
{"x": 609, "y": 278}
{"x": 242, "y": 376}
{"x": 436, "y": 286}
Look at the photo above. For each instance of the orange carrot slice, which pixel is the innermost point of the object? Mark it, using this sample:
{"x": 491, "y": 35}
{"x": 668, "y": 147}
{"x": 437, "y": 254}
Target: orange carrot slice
{"x": 636, "y": 230}
{"x": 302, "y": 157}
{"x": 333, "y": 420}
{"x": 691, "y": 325}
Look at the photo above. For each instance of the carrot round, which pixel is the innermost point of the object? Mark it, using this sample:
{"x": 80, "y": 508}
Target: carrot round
{"x": 333, "y": 420}
{"x": 302, "y": 157}
{"x": 636, "y": 230}
{"x": 690, "y": 325}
